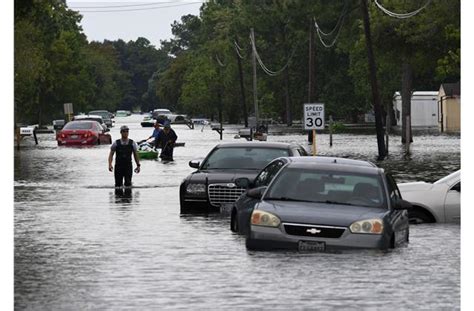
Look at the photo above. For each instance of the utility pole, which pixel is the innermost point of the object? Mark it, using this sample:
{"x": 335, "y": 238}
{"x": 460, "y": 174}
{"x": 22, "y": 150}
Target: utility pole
{"x": 310, "y": 62}
{"x": 254, "y": 64}
{"x": 373, "y": 82}
{"x": 242, "y": 89}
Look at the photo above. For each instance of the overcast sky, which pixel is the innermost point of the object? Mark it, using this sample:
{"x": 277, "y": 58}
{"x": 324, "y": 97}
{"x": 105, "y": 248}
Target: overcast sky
{"x": 132, "y": 19}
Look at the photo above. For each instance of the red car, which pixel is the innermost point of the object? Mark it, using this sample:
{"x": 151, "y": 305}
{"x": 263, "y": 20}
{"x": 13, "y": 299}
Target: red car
{"x": 84, "y": 132}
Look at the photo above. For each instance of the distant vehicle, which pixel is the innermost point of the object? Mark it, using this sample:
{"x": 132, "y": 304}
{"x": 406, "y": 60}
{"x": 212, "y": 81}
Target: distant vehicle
{"x": 314, "y": 206}
{"x": 105, "y": 116}
{"x": 148, "y": 121}
{"x": 58, "y": 124}
{"x": 122, "y": 113}
{"x": 83, "y": 132}
{"x": 436, "y": 202}
{"x": 243, "y": 207}
{"x": 212, "y": 185}
{"x": 163, "y": 115}
{"x": 82, "y": 117}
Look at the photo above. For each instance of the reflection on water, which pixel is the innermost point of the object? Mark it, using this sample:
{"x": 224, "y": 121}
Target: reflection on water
{"x": 79, "y": 245}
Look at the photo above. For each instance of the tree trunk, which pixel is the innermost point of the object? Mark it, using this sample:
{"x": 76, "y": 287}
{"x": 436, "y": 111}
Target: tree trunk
{"x": 407, "y": 82}
{"x": 373, "y": 81}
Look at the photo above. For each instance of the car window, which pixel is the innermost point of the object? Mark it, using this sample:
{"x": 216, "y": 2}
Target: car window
{"x": 302, "y": 152}
{"x": 78, "y": 126}
{"x": 314, "y": 185}
{"x": 393, "y": 191}
{"x": 456, "y": 187}
{"x": 242, "y": 157}
{"x": 267, "y": 174}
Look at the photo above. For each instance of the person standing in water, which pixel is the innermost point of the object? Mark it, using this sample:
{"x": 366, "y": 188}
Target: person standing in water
{"x": 124, "y": 148}
{"x": 166, "y": 139}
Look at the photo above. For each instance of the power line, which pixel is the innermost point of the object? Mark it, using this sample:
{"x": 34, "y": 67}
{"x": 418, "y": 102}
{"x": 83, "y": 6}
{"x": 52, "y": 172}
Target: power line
{"x": 237, "y": 47}
{"x": 338, "y": 26}
{"x": 219, "y": 61}
{"x": 262, "y": 65}
{"x": 141, "y": 9}
{"x": 401, "y": 15}
{"x": 120, "y": 6}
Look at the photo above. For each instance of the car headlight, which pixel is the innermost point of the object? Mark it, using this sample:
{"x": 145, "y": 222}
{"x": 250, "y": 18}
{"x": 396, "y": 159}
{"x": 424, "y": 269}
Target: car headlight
{"x": 370, "y": 226}
{"x": 261, "y": 218}
{"x": 196, "y": 188}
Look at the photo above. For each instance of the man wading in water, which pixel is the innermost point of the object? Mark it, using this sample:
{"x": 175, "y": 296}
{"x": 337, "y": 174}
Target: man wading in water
{"x": 124, "y": 148}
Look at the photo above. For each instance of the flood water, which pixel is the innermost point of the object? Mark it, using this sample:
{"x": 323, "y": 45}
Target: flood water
{"x": 78, "y": 246}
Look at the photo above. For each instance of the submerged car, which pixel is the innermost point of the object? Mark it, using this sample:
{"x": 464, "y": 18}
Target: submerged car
{"x": 106, "y": 116}
{"x": 84, "y": 132}
{"x": 314, "y": 206}
{"x": 212, "y": 185}
{"x": 243, "y": 207}
{"x": 434, "y": 202}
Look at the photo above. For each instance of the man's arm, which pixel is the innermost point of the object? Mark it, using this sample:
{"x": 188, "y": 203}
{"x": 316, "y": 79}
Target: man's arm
{"x": 137, "y": 161}
{"x": 111, "y": 155}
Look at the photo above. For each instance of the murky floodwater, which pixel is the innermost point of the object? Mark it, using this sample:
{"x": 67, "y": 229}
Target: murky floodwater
{"x": 77, "y": 246}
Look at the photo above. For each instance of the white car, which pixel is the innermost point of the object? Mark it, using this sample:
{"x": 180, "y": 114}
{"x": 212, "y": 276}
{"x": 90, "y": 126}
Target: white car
{"x": 436, "y": 202}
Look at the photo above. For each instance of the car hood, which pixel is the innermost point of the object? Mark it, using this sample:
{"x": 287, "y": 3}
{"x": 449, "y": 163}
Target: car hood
{"x": 320, "y": 213}
{"x": 414, "y": 186}
{"x": 221, "y": 176}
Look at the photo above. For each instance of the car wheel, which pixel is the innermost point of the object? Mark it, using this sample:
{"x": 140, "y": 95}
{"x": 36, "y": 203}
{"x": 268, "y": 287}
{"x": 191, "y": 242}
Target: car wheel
{"x": 250, "y": 244}
{"x": 234, "y": 225}
{"x": 418, "y": 216}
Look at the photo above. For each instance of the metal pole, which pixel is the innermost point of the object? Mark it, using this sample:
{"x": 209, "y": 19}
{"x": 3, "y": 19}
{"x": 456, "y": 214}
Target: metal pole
{"x": 254, "y": 64}
{"x": 408, "y": 135}
{"x": 310, "y": 61}
{"x": 330, "y": 131}
{"x": 387, "y": 126}
{"x": 314, "y": 142}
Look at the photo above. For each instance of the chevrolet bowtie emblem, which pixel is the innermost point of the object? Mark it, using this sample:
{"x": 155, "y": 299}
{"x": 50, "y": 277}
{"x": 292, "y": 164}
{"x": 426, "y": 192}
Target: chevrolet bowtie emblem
{"x": 313, "y": 231}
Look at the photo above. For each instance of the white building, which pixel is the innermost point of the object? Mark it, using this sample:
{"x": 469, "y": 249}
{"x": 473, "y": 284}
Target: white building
{"x": 424, "y": 108}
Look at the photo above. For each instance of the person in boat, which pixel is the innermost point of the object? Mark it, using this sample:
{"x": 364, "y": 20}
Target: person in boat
{"x": 124, "y": 148}
{"x": 167, "y": 139}
{"x": 156, "y": 133}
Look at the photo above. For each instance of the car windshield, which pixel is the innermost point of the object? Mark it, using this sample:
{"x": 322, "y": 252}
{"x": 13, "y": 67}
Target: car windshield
{"x": 252, "y": 158}
{"x": 332, "y": 187}
{"x": 78, "y": 126}
{"x": 104, "y": 114}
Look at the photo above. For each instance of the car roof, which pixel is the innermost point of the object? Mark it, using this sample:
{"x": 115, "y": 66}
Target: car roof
{"x": 256, "y": 144}
{"x": 336, "y": 167}
{"x": 330, "y": 160}
{"x": 87, "y": 116}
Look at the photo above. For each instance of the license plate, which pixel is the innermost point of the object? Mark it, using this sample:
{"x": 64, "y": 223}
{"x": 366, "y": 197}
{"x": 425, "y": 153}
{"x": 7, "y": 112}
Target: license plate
{"x": 311, "y": 246}
{"x": 74, "y": 136}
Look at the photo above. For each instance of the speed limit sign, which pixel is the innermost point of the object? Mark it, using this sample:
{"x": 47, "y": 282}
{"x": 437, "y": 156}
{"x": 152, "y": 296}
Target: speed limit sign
{"x": 314, "y": 116}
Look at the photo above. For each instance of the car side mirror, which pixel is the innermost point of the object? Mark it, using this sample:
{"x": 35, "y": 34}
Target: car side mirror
{"x": 194, "y": 163}
{"x": 243, "y": 182}
{"x": 401, "y": 204}
{"x": 256, "y": 193}
{"x": 107, "y": 130}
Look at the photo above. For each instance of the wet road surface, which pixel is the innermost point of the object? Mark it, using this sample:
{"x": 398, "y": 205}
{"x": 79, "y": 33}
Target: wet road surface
{"x": 78, "y": 246}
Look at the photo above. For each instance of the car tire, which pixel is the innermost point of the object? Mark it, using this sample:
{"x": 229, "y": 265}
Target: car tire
{"x": 250, "y": 244}
{"x": 418, "y": 216}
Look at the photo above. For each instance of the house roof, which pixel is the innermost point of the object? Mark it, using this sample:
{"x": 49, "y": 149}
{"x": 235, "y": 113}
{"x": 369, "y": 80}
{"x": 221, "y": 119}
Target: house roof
{"x": 452, "y": 88}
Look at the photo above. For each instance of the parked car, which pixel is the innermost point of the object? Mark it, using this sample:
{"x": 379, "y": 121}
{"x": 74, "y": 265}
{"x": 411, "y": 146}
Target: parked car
{"x": 58, "y": 124}
{"x": 123, "y": 113}
{"x": 242, "y": 209}
{"x": 88, "y": 117}
{"x": 212, "y": 184}
{"x": 434, "y": 202}
{"x": 147, "y": 121}
{"x": 83, "y": 132}
{"x": 106, "y": 116}
{"x": 314, "y": 206}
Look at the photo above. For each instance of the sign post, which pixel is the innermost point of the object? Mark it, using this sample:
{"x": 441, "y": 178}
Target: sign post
{"x": 313, "y": 119}
{"x": 68, "y": 110}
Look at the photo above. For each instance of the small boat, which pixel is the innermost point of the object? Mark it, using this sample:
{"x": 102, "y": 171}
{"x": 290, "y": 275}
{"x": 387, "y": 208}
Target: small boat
{"x": 146, "y": 151}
